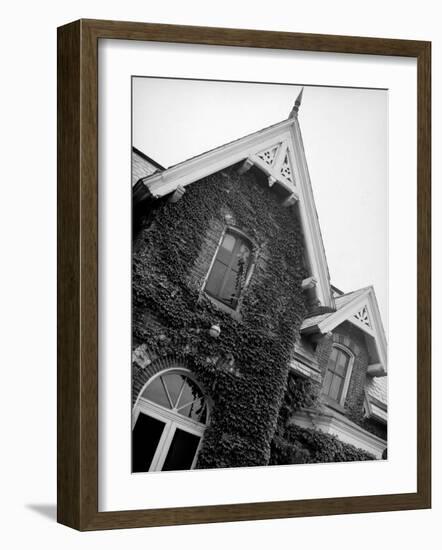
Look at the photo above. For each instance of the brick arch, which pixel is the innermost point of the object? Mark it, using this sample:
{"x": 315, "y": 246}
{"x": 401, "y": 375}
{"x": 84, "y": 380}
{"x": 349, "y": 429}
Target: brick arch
{"x": 162, "y": 363}
{"x": 347, "y": 342}
{"x": 352, "y": 338}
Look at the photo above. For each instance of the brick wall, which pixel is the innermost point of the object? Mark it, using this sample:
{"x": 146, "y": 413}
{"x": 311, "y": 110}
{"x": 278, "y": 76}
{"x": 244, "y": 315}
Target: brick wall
{"x": 353, "y": 339}
{"x": 323, "y": 351}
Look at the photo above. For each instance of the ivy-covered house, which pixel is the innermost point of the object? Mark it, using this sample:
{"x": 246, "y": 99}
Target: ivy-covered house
{"x": 244, "y": 354}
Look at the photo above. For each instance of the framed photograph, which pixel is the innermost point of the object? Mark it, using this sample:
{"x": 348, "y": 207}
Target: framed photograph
{"x": 243, "y": 275}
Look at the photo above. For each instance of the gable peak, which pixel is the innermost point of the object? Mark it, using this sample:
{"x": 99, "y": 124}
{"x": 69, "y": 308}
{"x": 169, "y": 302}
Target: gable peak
{"x": 295, "y": 110}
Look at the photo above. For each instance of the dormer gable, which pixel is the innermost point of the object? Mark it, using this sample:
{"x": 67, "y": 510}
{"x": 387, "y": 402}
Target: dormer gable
{"x": 360, "y": 308}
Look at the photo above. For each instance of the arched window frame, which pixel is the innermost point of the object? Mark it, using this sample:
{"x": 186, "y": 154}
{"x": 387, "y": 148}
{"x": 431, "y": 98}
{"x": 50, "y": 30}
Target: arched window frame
{"x": 348, "y": 374}
{"x": 235, "y": 231}
{"x": 175, "y": 420}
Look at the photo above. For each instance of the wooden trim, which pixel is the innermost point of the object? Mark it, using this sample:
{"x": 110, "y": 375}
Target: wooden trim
{"x": 77, "y": 386}
{"x": 186, "y": 34}
{"x": 349, "y": 372}
{"x": 146, "y": 158}
{"x": 345, "y": 313}
{"x": 78, "y": 276}
{"x": 68, "y": 276}
{"x": 424, "y": 274}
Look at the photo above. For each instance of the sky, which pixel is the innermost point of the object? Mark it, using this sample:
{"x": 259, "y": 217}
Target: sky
{"x": 345, "y": 134}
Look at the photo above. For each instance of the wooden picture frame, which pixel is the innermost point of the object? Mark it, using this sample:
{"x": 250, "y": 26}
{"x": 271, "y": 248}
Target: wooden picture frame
{"x": 77, "y": 461}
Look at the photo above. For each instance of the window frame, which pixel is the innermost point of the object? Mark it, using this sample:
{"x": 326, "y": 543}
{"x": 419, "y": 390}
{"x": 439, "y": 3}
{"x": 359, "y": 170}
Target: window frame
{"x": 236, "y": 232}
{"x": 346, "y": 378}
{"x": 171, "y": 419}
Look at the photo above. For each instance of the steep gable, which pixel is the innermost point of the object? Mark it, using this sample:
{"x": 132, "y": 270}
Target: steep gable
{"x": 361, "y": 309}
{"x": 277, "y": 151}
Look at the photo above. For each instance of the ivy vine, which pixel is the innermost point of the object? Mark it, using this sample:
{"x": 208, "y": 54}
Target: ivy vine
{"x": 246, "y": 399}
{"x": 245, "y": 370}
{"x": 295, "y": 445}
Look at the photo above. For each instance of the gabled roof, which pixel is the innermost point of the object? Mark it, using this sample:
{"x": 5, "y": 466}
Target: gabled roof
{"x": 376, "y": 389}
{"x": 278, "y": 151}
{"x": 376, "y": 398}
{"x": 361, "y": 309}
{"x": 142, "y": 166}
{"x": 150, "y": 160}
{"x": 340, "y": 301}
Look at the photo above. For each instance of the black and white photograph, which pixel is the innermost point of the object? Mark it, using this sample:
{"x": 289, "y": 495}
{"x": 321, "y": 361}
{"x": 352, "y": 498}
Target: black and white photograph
{"x": 218, "y": 249}
{"x": 259, "y": 274}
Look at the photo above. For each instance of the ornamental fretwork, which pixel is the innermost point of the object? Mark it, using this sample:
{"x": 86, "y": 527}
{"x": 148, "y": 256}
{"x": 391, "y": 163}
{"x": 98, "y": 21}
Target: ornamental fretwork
{"x": 363, "y": 317}
{"x": 276, "y": 162}
{"x": 269, "y": 155}
{"x": 286, "y": 170}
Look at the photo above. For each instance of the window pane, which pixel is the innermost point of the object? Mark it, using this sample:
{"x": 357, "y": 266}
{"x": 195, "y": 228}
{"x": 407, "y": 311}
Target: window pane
{"x": 203, "y": 416}
{"x": 145, "y": 438}
{"x": 156, "y": 393}
{"x": 173, "y": 382}
{"x": 338, "y": 361}
{"x": 327, "y": 382}
{"x": 225, "y": 250}
{"x": 229, "y": 270}
{"x": 335, "y": 387}
{"x": 240, "y": 260}
{"x": 181, "y": 451}
{"x": 228, "y": 242}
{"x": 339, "y": 370}
{"x": 231, "y": 288}
{"x": 215, "y": 278}
{"x": 193, "y": 410}
{"x": 190, "y": 392}
{"x": 242, "y": 257}
{"x": 333, "y": 355}
{"x": 341, "y": 364}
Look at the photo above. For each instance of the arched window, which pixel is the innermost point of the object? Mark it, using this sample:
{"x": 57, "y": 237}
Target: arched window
{"x": 169, "y": 419}
{"x": 338, "y": 373}
{"x": 230, "y": 269}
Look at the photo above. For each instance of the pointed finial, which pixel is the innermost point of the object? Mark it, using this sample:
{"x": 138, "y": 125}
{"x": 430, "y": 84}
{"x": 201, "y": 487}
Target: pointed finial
{"x": 294, "y": 111}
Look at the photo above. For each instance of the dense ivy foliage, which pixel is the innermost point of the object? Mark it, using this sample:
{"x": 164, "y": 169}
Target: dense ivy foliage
{"x": 295, "y": 445}
{"x": 245, "y": 370}
{"x": 306, "y": 445}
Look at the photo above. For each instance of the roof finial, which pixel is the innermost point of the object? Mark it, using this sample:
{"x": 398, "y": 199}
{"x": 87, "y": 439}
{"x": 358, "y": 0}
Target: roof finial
{"x": 294, "y": 111}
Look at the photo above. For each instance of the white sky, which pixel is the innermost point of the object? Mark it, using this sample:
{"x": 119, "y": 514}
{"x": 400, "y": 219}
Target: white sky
{"x": 345, "y": 133}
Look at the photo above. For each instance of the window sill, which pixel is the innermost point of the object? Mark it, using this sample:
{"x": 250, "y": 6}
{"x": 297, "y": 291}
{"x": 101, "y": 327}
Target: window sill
{"x": 223, "y": 307}
{"x": 332, "y": 404}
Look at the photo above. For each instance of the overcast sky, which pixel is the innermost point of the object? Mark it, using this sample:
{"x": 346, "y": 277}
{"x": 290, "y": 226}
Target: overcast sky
{"x": 345, "y": 133}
